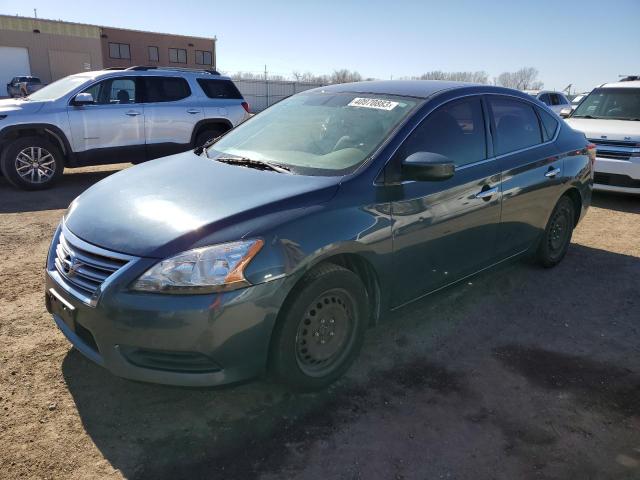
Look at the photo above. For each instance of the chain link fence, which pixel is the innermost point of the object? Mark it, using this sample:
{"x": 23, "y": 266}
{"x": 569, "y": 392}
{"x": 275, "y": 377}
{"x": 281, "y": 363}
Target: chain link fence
{"x": 261, "y": 94}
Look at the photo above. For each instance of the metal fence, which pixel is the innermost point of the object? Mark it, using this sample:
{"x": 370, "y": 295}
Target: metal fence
{"x": 261, "y": 94}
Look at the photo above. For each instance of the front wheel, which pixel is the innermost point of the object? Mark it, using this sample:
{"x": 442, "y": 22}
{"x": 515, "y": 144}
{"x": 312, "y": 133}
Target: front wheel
{"x": 32, "y": 163}
{"x": 321, "y": 330}
{"x": 557, "y": 235}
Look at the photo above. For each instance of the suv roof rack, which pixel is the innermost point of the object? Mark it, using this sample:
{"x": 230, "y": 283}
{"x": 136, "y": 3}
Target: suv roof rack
{"x": 113, "y": 68}
{"x": 629, "y": 78}
{"x": 177, "y": 69}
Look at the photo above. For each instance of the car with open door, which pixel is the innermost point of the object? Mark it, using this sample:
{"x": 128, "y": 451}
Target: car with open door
{"x": 274, "y": 248}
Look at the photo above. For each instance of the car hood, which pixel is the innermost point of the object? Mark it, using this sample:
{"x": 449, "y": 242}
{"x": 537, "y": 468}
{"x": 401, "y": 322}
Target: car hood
{"x": 9, "y": 105}
{"x": 597, "y": 129}
{"x": 167, "y": 205}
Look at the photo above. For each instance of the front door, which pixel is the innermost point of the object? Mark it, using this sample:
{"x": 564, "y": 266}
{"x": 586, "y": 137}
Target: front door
{"x": 445, "y": 230}
{"x": 112, "y": 129}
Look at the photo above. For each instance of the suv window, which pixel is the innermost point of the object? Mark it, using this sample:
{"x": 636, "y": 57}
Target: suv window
{"x": 516, "y": 125}
{"x": 219, "y": 89}
{"x": 165, "y": 89}
{"x": 544, "y": 98}
{"x": 455, "y": 130}
{"x": 113, "y": 91}
{"x": 549, "y": 124}
{"x": 555, "y": 99}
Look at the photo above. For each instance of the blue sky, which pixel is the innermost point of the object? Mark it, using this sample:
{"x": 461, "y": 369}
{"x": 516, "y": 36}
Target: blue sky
{"x": 581, "y": 42}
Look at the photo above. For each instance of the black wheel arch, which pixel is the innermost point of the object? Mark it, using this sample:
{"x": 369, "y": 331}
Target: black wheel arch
{"x": 210, "y": 124}
{"x": 51, "y": 132}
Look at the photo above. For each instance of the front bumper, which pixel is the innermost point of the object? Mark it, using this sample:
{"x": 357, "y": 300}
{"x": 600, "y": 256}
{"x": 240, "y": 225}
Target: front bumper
{"x": 614, "y": 175}
{"x": 187, "y": 340}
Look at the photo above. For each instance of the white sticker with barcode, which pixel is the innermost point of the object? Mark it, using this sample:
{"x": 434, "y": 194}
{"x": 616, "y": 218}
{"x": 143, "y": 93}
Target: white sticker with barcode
{"x": 376, "y": 103}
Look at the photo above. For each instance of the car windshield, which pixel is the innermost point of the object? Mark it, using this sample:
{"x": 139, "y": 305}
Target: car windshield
{"x": 610, "y": 103}
{"x": 59, "y": 88}
{"x": 316, "y": 133}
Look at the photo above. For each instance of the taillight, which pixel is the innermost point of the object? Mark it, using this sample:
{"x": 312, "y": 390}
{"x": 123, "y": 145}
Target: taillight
{"x": 245, "y": 105}
{"x": 591, "y": 151}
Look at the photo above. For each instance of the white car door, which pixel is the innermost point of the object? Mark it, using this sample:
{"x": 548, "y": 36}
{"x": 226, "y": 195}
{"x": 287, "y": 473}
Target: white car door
{"x": 111, "y": 130}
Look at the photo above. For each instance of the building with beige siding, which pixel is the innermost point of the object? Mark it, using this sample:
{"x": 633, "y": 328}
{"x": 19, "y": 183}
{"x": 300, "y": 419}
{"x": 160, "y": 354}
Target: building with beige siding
{"x": 52, "y": 49}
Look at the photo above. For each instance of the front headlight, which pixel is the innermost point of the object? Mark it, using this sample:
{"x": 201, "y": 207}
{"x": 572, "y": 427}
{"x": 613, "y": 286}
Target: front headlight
{"x": 202, "y": 270}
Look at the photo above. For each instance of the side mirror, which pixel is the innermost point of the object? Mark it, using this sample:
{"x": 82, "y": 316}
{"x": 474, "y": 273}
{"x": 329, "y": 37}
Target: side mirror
{"x": 565, "y": 112}
{"x": 83, "y": 99}
{"x": 425, "y": 166}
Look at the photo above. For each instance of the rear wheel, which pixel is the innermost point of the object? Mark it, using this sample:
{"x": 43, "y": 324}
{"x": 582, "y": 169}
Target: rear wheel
{"x": 557, "y": 235}
{"x": 207, "y": 135}
{"x": 32, "y": 163}
{"x": 321, "y": 330}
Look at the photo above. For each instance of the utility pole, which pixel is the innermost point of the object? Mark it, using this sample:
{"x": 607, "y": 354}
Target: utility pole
{"x": 265, "y": 72}
{"x": 35, "y": 12}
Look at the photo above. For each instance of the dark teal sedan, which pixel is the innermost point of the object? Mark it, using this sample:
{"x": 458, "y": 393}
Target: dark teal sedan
{"x": 275, "y": 247}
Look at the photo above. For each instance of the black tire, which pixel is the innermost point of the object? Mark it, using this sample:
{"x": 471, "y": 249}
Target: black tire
{"x": 47, "y": 155}
{"x": 205, "y": 136}
{"x": 557, "y": 235}
{"x": 302, "y": 355}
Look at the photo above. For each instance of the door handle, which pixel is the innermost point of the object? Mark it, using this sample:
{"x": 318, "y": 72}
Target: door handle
{"x": 193, "y": 111}
{"x": 552, "y": 172}
{"x": 487, "y": 194}
{"x": 132, "y": 113}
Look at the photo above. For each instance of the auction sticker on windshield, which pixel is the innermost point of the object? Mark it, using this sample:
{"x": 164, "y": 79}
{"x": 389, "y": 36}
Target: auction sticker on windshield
{"x": 376, "y": 103}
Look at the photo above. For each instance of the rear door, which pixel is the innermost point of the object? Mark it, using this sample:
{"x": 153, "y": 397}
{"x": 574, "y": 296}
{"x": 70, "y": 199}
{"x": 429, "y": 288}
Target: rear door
{"x": 531, "y": 170}
{"x": 112, "y": 129}
{"x": 444, "y": 230}
{"x": 171, "y": 113}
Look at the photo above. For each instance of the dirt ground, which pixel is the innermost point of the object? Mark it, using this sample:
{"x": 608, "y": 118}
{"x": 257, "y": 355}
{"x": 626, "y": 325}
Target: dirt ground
{"x": 521, "y": 373}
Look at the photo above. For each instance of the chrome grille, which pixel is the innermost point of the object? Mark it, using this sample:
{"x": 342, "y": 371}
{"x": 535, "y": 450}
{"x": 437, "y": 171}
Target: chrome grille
{"x": 616, "y": 149}
{"x": 83, "y": 270}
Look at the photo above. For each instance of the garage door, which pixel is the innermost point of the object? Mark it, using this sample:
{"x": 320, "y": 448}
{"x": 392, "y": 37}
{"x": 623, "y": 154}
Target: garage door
{"x": 65, "y": 63}
{"x": 14, "y": 62}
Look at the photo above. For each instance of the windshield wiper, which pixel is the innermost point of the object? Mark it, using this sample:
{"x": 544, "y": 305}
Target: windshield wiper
{"x": 259, "y": 164}
{"x": 591, "y": 117}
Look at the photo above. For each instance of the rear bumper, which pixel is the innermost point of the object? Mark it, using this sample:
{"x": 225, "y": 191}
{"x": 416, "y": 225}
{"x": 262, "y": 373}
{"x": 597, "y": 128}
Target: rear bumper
{"x": 195, "y": 340}
{"x": 617, "y": 175}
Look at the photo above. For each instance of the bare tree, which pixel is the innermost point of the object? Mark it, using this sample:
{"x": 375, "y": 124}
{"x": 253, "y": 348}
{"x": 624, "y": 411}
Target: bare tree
{"x": 475, "y": 77}
{"x": 345, "y": 76}
{"x": 524, "y": 79}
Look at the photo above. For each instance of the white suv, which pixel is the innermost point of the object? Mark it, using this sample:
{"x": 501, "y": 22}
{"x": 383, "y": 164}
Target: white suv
{"x": 113, "y": 116}
{"x": 610, "y": 118}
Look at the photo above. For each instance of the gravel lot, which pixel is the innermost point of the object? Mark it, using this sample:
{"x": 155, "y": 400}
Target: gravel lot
{"x": 521, "y": 373}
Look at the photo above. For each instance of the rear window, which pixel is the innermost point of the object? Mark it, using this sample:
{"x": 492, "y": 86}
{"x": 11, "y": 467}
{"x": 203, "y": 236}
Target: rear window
{"x": 549, "y": 124}
{"x": 219, "y": 89}
{"x": 165, "y": 89}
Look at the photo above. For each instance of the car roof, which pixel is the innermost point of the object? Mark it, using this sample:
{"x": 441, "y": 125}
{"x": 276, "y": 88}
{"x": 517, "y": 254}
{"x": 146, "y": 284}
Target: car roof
{"x": 406, "y": 88}
{"x": 628, "y": 84}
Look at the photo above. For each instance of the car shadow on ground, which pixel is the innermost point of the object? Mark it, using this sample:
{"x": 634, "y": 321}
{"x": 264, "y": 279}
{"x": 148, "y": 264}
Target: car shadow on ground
{"x": 616, "y": 201}
{"x": 433, "y": 348}
{"x": 72, "y": 184}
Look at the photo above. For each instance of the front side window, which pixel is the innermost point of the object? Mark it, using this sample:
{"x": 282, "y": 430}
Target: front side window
{"x": 544, "y": 98}
{"x": 165, "y": 89}
{"x": 203, "y": 57}
{"x": 516, "y": 124}
{"x": 455, "y": 130}
{"x": 113, "y": 91}
{"x": 317, "y": 133}
{"x": 177, "y": 55}
{"x": 154, "y": 54}
{"x": 119, "y": 50}
{"x": 610, "y": 104}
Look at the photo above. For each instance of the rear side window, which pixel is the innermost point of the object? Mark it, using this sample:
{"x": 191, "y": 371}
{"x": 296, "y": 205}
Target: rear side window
{"x": 165, "y": 89}
{"x": 549, "y": 124}
{"x": 219, "y": 89}
{"x": 455, "y": 130}
{"x": 516, "y": 125}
